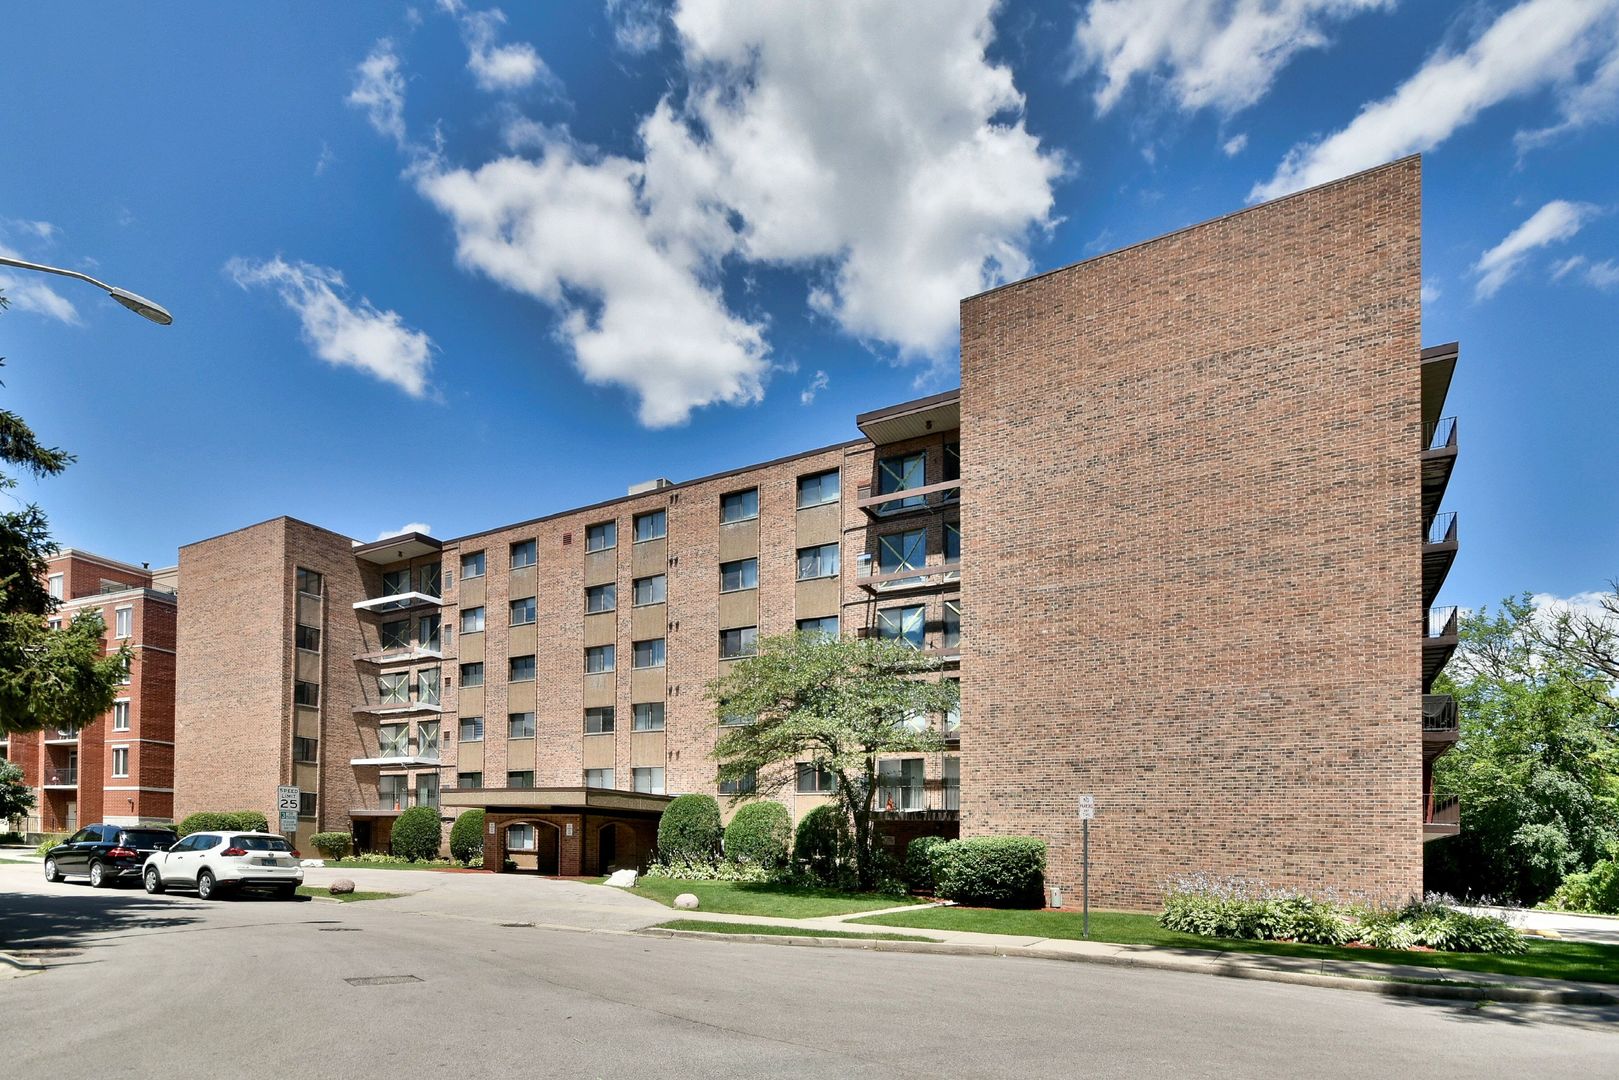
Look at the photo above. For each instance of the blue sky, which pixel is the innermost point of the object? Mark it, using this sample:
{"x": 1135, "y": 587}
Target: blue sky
{"x": 399, "y": 241}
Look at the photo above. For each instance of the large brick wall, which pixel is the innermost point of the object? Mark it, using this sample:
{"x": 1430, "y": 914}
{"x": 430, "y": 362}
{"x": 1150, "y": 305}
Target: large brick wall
{"x": 1191, "y": 580}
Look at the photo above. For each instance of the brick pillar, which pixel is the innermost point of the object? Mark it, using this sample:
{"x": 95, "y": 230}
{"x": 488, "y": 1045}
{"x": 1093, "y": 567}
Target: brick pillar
{"x": 571, "y": 855}
{"x": 494, "y": 843}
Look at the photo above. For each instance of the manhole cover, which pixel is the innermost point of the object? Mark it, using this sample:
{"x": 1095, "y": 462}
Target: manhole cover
{"x": 381, "y": 980}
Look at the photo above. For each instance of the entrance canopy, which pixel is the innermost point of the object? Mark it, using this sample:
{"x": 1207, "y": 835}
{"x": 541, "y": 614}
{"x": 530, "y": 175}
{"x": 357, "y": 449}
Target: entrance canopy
{"x": 568, "y": 800}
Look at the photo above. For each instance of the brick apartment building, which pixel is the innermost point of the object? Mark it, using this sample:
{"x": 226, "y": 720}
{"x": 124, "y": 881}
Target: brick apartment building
{"x": 119, "y": 769}
{"x": 1166, "y": 533}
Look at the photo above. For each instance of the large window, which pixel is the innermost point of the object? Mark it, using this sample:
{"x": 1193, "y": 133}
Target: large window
{"x": 952, "y": 541}
{"x": 472, "y": 565}
{"x": 598, "y": 659}
{"x": 471, "y": 620}
{"x": 599, "y": 778}
{"x": 902, "y": 473}
{"x": 396, "y": 635}
{"x": 427, "y": 579}
{"x": 523, "y": 778}
{"x": 952, "y": 465}
{"x": 818, "y": 562}
{"x": 739, "y": 642}
{"x": 520, "y": 838}
{"x": 471, "y": 729}
{"x": 120, "y": 764}
{"x": 394, "y": 688}
{"x": 523, "y": 611}
{"x": 306, "y": 638}
{"x": 304, "y": 750}
{"x": 520, "y": 669}
{"x": 395, "y": 582}
{"x": 950, "y": 632}
{"x": 826, "y": 626}
{"x": 427, "y": 790}
{"x": 309, "y": 582}
{"x": 393, "y": 740}
{"x": 952, "y": 719}
{"x": 745, "y": 784}
{"x": 814, "y": 781}
{"x": 648, "y": 654}
{"x": 520, "y": 725}
{"x": 650, "y": 526}
{"x": 898, "y": 552}
{"x": 306, "y": 804}
{"x": 524, "y": 553}
{"x": 599, "y": 720}
{"x": 905, "y": 624}
{"x": 427, "y": 686}
{"x": 303, "y": 693}
{"x": 739, "y": 506}
{"x": 427, "y": 631}
{"x": 600, "y": 598}
{"x": 471, "y": 675}
{"x": 427, "y": 739}
{"x": 648, "y": 780}
{"x": 393, "y": 791}
{"x": 817, "y": 489}
{"x": 601, "y": 536}
{"x": 469, "y": 779}
{"x": 647, "y": 716}
{"x": 54, "y": 583}
{"x": 123, "y": 622}
{"x": 120, "y": 715}
{"x": 651, "y": 590}
{"x": 739, "y": 575}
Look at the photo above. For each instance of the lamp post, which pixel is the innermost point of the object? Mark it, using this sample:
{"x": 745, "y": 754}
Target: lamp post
{"x": 141, "y": 306}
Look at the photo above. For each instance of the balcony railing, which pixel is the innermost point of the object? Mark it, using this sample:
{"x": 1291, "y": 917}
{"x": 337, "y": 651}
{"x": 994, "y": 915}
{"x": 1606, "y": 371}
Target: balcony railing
{"x": 402, "y": 654}
{"x": 398, "y": 708}
{"x": 1440, "y": 622}
{"x": 1438, "y": 714}
{"x": 61, "y": 735}
{"x": 1444, "y": 811}
{"x": 869, "y": 575}
{"x": 1442, "y": 530}
{"x": 389, "y": 603}
{"x": 56, "y": 776}
{"x": 1439, "y": 435}
{"x": 908, "y": 500}
{"x": 913, "y": 798}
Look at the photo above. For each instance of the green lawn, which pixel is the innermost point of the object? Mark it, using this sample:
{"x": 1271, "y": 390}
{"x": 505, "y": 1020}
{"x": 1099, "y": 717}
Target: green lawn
{"x": 1545, "y": 959}
{"x": 771, "y": 930}
{"x": 347, "y": 898}
{"x": 783, "y": 901}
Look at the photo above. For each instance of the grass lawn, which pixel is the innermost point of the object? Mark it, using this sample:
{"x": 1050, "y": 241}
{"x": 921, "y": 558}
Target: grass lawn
{"x": 780, "y": 931}
{"x": 347, "y": 898}
{"x": 19, "y": 862}
{"x": 1583, "y": 961}
{"x": 782, "y": 901}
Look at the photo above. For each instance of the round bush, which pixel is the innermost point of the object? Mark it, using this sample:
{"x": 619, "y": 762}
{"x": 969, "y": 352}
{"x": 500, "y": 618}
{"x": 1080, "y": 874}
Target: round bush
{"x": 333, "y": 845}
{"x": 690, "y": 828}
{"x": 466, "y": 836}
{"x": 214, "y": 821}
{"x": 991, "y": 871}
{"x": 822, "y": 842}
{"x": 416, "y": 834}
{"x": 248, "y": 821}
{"x": 919, "y": 862}
{"x": 758, "y": 835}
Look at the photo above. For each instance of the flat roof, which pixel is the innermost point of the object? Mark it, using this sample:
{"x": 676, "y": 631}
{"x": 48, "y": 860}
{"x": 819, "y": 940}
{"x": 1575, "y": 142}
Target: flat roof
{"x": 392, "y": 549}
{"x": 546, "y": 799}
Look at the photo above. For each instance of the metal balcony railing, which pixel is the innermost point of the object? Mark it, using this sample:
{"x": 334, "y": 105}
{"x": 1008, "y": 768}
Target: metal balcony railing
{"x": 1443, "y": 810}
{"x": 1438, "y": 713}
{"x": 914, "y": 798}
{"x": 1440, "y": 622}
{"x": 56, "y": 776}
{"x": 1442, "y": 530}
{"x": 1439, "y": 435}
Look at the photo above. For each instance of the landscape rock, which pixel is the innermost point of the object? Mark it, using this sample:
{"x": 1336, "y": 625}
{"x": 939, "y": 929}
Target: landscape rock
{"x": 686, "y": 901}
{"x": 622, "y": 879}
{"x": 313, "y": 864}
{"x": 340, "y": 887}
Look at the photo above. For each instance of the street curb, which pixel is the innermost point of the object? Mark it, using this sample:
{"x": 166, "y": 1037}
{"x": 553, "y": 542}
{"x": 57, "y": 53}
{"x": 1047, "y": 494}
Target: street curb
{"x": 1454, "y": 991}
{"x": 21, "y": 963}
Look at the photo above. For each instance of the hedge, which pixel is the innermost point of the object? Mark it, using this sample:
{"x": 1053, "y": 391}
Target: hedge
{"x": 690, "y": 828}
{"x": 919, "y": 862}
{"x": 758, "y": 835}
{"x": 416, "y": 834}
{"x": 466, "y": 836}
{"x": 991, "y": 871}
{"x": 333, "y": 845}
{"x": 216, "y": 821}
{"x": 822, "y": 842}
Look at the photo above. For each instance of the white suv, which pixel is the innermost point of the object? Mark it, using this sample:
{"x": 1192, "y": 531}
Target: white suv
{"x": 211, "y": 861}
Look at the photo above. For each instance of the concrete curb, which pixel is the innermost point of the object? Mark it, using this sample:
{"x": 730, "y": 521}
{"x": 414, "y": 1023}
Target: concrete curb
{"x": 22, "y": 964}
{"x": 1448, "y": 991}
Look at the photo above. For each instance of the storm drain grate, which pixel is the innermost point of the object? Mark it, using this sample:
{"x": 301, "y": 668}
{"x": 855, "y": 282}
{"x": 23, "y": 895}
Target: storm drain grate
{"x": 381, "y": 980}
{"x": 337, "y": 929}
{"x": 514, "y": 925}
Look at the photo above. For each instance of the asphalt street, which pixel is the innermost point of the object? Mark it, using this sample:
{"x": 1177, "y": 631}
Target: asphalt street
{"x": 168, "y": 985}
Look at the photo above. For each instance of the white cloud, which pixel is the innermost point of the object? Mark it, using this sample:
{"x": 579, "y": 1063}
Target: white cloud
{"x": 495, "y": 67}
{"x": 1593, "y": 101}
{"x": 409, "y": 527}
{"x": 637, "y": 24}
{"x": 820, "y": 382}
{"x": 1235, "y": 145}
{"x": 325, "y": 159}
{"x": 341, "y": 332}
{"x": 1219, "y": 54}
{"x": 379, "y": 89}
{"x": 39, "y": 230}
{"x": 1536, "y": 44}
{"x": 1604, "y": 275}
{"x": 27, "y": 289}
{"x": 1430, "y": 290}
{"x": 1553, "y": 223}
{"x": 1587, "y": 604}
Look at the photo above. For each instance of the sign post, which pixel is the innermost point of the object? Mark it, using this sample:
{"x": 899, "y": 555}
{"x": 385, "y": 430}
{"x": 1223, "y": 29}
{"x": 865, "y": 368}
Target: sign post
{"x": 1087, "y": 811}
{"x": 286, "y": 799}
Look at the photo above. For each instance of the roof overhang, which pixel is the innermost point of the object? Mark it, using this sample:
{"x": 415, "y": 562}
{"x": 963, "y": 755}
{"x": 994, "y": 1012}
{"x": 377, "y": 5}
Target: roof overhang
{"x": 1438, "y": 364}
{"x": 545, "y": 800}
{"x": 912, "y": 419}
{"x": 393, "y": 549}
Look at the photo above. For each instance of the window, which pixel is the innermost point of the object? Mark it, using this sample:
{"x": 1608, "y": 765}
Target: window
{"x": 309, "y": 582}
{"x": 818, "y": 562}
{"x": 601, "y": 536}
{"x": 469, "y": 780}
{"x": 952, "y": 466}
{"x": 600, "y": 598}
{"x": 55, "y": 584}
{"x": 304, "y": 750}
{"x": 120, "y": 763}
{"x": 739, "y": 642}
{"x": 472, "y": 565}
{"x": 427, "y": 686}
{"x": 818, "y": 488}
{"x": 737, "y": 719}
{"x": 303, "y": 693}
{"x": 393, "y": 740}
{"x": 814, "y": 781}
{"x": 652, "y": 526}
{"x": 520, "y": 669}
{"x": 471, "y": 620}
{"x": 54, "y": 624}
{"x": 523, "y": 611}
{"x": 123, "y": 622}
{"x": 950, "y": 634}
{"x": 428, "y": 579}
{"x": 648, "y": 654}
{"x": 472, "y": 729}
{"x": 427, "y": 628}
{"x": 520, "y": 838}
{"x": 902, "y": 551}
{"x": 306, "y": 804}
{"x": 952, "y": 719}
{"x": 745, "y": 784}
{"x": 902, "y": 624}
{"x": 648, "y": 780}
{"x": 128, "y": 675}
{"x": 523, "y": 554}
{"x": 826, "y": 626}
{"x": 601, "y": 778}
{"x": 901, "y": 474}
{"x": 393, "y": 792}
{"x": 120, "y": 715}
{"x": 739, "y": 506}
{"x": 395, "y": 582}
{"x": 599, "y": 720}
{"x": 521, "y": 779}
{"x": 306, "y": 638}
{"x": 394, "y": 688}
{"x": 952, "y": 541}
{"x": 598, "y": 659}
{"x": 427, "y": 741}
{"x": 396, "y": 635}
{"x": 900, "y": 784}
{"x": 520, "y": 725}
{"x": 648, "y": 716}
{"x": 427, "y": 790}
{"x": 651, "y": 590}
{"x": 471, "y": 675}
{"x": 739, "y": 575}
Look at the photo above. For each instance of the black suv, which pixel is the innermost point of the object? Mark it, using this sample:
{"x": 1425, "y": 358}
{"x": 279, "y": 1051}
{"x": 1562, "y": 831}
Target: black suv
{"x": 106, "y": 853}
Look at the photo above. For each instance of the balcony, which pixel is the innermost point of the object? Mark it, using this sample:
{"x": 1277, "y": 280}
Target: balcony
{"x": 401, "y": 654}
{"x": 1439, "y": 724}
{"x": 60, "y": 736}
{"x": 928, "y": 801}
{"x": 1438, "y": 642}
{"x": 399, "y": 758}
{"x": 398, "y": 708}
{"x": 879, "y": 582}
{"x": 1439, "y": 545}
{"x": 914, "y": 500}
{"x": 393, "y": 603}
{"x": 1438, "y": 462}
{"x": 59, "y": 777}
{"x": 1441, "y": 816}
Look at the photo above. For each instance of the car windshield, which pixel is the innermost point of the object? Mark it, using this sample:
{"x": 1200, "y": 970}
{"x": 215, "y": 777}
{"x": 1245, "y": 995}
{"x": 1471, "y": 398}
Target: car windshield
{"x": 146, "y": 838}
{"x": 260, "y": 843}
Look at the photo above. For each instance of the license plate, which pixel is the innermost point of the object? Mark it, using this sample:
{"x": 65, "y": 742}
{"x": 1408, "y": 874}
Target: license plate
{"x": 269, "y": 862}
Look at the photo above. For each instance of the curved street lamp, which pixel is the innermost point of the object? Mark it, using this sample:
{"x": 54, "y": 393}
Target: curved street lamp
{"x": 141, "y": 306}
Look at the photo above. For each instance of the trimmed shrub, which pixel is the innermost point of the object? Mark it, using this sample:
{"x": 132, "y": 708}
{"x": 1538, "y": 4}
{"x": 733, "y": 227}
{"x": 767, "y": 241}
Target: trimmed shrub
{"x": 991, "y": 871}
{"x": 466, "y": 836}
{"x": 50, "y": 841}
{"x": 333, "y": 845}
{"x": 248, "y": 821}
{"x": 690, "y": 829}
{"x": 215, "y": 821}
{"x": 823, "y": 843}
{"x": 704, "y": 870}
{"x": 416, "y": 834}
{"x": 1597, "y": 889}
{"x": 758, "y": 835}
{"x": 919, "y": 862}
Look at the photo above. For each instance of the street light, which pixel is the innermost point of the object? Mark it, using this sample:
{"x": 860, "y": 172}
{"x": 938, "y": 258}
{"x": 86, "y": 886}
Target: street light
{"x": 141, "y": 306}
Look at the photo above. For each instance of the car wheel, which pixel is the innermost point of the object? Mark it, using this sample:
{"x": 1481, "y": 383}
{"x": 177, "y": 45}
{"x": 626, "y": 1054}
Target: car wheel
{"x": 153, "y": 880}
{"x": 98, "y": 876}
{"x": 288, "y": 892}
{"x": 51, "y": 873}
{"x": 205, "y": 886}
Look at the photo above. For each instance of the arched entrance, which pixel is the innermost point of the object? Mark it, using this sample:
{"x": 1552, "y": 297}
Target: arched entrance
{"x": 617, "y": 848}
{"x": 535, "y": 845}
